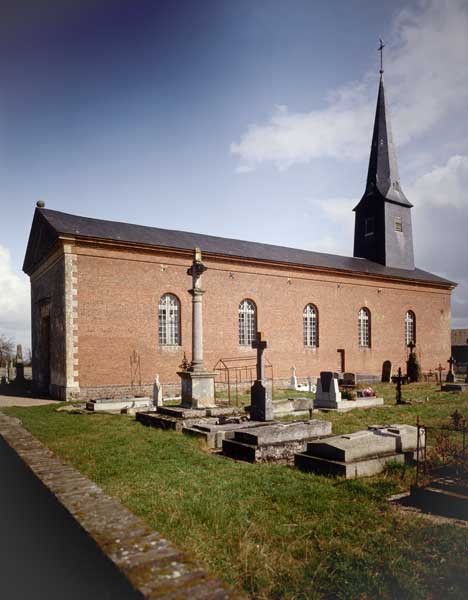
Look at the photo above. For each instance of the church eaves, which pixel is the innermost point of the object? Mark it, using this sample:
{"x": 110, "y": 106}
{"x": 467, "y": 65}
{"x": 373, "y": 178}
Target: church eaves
{"x": 61, "y": 224}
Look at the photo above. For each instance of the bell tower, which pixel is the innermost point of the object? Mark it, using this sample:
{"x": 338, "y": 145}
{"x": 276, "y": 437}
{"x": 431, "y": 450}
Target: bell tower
{"x": 383, "y": 230}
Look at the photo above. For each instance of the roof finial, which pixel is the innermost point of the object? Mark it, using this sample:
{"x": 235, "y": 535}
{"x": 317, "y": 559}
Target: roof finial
{"x": 40, "y": 204}
{"x": 381, "y": 47}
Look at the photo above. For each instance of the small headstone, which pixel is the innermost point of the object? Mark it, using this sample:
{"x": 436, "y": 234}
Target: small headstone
{"x": 328, "y": 394}
{"x": 386, "y": 371}
{"x": 19, "y": 363}
{"x": 311, "y": 386}
{"x": 157, "y": 392}
{"x": 261, "y": 402}
{"x": 293, "y": 379}
{"x": 349, "y": 379}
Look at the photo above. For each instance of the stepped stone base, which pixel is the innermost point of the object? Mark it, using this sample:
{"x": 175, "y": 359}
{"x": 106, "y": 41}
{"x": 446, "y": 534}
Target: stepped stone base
{"x": 274, "y": 442}
{"x": 362, "y": 468}
{"x": 214, "y": 434}
{"x": 360, "y": 454}
{"x": 179, "y": 418}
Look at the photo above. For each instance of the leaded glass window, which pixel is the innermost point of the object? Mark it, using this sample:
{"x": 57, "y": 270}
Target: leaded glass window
{"x": 310, "y": 321}
{"x": 410, "y": 328}
{"x": 364, "y": 328}
{"x": 169, "y": 320}
{"x": 247, "y": 322}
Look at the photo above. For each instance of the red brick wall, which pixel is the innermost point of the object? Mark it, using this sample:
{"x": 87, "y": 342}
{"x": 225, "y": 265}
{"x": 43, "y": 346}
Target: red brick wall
{"x": 48, "y": 285}
{"x": 119, "y": 291}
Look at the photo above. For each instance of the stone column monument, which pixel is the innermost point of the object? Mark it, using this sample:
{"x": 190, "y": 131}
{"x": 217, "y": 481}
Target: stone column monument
{"x": 261, "y": 403}
{"x": 198, "y": 390}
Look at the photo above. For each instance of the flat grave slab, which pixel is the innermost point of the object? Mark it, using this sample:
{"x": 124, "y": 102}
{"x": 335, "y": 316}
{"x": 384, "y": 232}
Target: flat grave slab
{"x": 361, "y": 453}
{"x": 116, "y": 405}
{"x": 455, "y": 387}
{"x": 274, "y": 442}
{"x": 346, "y": 405}
{"x": 214, "y": 434}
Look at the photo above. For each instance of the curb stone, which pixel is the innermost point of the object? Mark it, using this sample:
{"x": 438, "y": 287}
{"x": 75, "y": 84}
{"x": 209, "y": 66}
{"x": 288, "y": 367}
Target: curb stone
{"x": 151, "y": 563}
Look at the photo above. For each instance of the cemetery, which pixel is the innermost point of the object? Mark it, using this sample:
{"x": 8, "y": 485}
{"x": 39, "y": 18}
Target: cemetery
{"x": 288, "y": 464}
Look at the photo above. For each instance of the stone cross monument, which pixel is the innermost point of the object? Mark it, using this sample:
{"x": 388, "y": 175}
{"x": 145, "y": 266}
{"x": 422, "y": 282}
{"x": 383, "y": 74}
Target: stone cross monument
{"x": 261, "y": 404}
{"x": 450, "y": 375}
{"x": 198, "y": 390}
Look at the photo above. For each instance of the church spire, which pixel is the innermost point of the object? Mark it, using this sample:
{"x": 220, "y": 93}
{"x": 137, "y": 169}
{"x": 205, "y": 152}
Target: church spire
{"x": 383, "y": 168}
{"x": 383, "y": 231}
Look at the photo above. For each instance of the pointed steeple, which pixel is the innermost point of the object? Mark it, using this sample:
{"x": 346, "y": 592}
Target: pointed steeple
{"x": 383, "y": 168}
{"x": 383, "y": 231}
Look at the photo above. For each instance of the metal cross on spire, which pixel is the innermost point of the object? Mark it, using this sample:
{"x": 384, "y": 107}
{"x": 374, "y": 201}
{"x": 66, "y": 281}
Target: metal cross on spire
{"x": 381, "y": 47}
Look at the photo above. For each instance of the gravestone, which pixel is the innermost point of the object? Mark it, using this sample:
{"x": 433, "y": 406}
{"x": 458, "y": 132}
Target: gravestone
{"x": 362, "y": 453}
{"x": 261, "y": 405}
{"x": 439, "y": 369}
{"x": 157, "y": 392}
{"x": 311, "y": 386}
{"x": 450, "y": 375}
{"x": 349, "y": 380}
{"x": 399, "y": 381}
{"x": 293, "y": 379}
{"x": 19, "y": 364}
{"x": 328, "y": 394}
{"x": 386, "y": 371}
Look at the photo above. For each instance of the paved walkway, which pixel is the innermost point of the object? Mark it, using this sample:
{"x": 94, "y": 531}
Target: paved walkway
{"x": 23, "y": 401}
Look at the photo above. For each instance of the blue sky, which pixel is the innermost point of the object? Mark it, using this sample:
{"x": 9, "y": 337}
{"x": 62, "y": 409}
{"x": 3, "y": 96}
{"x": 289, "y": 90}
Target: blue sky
{"x": 242, "y": 119}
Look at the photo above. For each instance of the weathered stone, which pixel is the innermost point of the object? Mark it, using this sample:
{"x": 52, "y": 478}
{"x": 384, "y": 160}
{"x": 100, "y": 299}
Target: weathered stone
{"x": 117, "y": 405}
{"x": 363, "y": 468}
{"x": 328, "y": 394}
{"x": 157, "y": 392}
{"x": 284, "y": 432}
{"x": 362, "y": 453}
{"x": 274, "y": 443}
{"x": 261, "y": 405}
{"x": 198, "y": 389}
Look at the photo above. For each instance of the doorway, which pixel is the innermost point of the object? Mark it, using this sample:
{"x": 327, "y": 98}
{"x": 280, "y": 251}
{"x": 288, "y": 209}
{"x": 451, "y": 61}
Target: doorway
{"x": 341, "y": 361}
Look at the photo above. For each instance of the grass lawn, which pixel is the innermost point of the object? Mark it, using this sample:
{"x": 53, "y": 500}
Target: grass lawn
{"x": 272, "y": 530}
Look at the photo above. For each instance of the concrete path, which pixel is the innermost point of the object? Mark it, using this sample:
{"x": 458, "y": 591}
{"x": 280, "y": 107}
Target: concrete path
{"x": 23, "y": 401}
{"x": 44, "y": 553}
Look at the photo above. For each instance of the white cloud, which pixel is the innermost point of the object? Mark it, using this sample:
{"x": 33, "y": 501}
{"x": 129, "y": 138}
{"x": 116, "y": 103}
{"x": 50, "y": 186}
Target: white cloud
{"x": 445, "y": 185}
{"x": 427, "y": 77}
{"x": 338, "y": 209}
{"x": 14, "y": 301}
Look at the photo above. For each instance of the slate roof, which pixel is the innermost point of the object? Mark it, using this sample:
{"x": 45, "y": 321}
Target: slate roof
{"x": 48, "y": 225}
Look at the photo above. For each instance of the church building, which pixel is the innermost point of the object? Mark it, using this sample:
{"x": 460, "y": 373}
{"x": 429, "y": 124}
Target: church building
{"x": 110, "y": 306}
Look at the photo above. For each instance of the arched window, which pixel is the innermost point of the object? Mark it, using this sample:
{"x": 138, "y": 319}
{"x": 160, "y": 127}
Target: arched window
{"x": 310, "y": 320}
{"x": 364, "y": 331}
{"x": 247, "y": 322}
{"x": 169, "y": 320}
{"x": 410, "y": 328}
